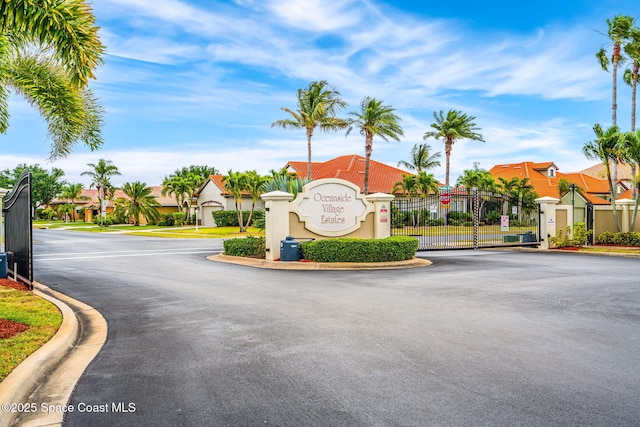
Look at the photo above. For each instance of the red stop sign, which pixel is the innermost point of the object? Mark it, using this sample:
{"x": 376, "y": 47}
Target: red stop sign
{"x": 445, "y": 198}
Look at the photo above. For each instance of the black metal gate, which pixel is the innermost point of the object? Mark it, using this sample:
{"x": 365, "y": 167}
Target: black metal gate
{"x": 18, "y": 230}
{"x": 466, "y": 220}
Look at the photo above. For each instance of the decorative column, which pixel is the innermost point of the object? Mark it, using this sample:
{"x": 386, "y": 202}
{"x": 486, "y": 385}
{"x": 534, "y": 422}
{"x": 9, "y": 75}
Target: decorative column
{"x": 382, "y": 214}
{"x": 276, "y": 221}
{"x": 547, "y": 226}
{"x": 626, "y": 215}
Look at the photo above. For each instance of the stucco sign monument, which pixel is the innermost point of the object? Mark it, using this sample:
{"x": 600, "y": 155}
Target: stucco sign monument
{"x": 329, "y": 208}
{"x": 325, "y": 208}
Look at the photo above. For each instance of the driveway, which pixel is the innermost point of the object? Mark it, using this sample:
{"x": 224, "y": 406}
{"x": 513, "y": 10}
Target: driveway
{"x": 479, "y": 338}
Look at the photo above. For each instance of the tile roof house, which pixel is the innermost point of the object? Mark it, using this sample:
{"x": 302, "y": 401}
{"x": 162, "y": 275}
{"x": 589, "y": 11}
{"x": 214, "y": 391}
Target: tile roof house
{"x": 382, "y": 177}
{"x": 544, "y": 177}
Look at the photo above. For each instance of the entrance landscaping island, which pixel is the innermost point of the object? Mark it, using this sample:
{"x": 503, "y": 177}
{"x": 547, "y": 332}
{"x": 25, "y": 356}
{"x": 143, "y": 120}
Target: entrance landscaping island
{"x": 329, "y": 254}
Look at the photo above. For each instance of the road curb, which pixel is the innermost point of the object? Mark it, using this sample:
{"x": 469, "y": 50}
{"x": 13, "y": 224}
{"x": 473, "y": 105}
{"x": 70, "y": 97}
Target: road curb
{"x": 279, "y": 265}
{"x": 49, "y": 375}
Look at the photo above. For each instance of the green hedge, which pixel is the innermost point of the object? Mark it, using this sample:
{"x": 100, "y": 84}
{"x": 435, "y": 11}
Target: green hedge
{"x": 626, "y": 239}
{"x": 230, "y": 218}
{"x": 396, "y": 248}
{"x": 245, "y": 246}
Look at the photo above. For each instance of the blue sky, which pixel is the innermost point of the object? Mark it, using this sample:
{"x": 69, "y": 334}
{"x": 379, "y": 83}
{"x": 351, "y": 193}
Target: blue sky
{"x": 200, "y": 81}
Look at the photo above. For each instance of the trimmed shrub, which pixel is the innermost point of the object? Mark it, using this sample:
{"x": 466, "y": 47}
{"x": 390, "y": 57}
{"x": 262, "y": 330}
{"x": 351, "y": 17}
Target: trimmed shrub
{"x": 166, "y": 221}
{"x": 179, "y": 218}
{"x": 625, "y": 239}
{"x": 245, "y": 246}
{"x": 396, "y": 248}
{"x": 228, "y": 218}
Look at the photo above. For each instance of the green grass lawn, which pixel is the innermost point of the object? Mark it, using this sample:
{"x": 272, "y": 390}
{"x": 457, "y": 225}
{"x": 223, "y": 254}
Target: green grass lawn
{"x": 42, "y": 317}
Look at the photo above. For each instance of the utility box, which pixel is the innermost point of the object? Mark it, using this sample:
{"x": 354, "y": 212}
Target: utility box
{"x": 529, "y": 237}
{"x": 289, "y": 249}
{"x": 3, "y": 265}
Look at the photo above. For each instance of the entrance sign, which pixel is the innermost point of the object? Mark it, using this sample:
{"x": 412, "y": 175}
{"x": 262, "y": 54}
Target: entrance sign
{"x": 504, "y": 223}
{"x": 329, "y": 207}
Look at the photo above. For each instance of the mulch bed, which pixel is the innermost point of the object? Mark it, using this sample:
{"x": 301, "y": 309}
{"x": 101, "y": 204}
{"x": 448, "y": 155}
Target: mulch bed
{"x": 9, "y": 328}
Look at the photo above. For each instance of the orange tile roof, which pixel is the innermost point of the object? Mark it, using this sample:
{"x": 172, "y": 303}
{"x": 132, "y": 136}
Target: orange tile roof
{"x": 546, "y": 185}
{"x": 382, "y": 177}
{"x": 597, "y": 171}
{"x": 219, "y": 182}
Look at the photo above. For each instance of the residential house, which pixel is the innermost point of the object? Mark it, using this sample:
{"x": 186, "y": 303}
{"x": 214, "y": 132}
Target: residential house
{"x": 212, "y": 196}
{"x": 84, "y": 201}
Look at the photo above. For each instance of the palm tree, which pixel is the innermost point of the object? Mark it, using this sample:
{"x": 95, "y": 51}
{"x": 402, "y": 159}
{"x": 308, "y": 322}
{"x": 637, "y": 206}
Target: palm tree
{"x": 254, "y": 185}
{"x": 456, "y": 125}
{"x": 619, "y": 29}
{"x": 427, "y": 183}
{"x": 632, "y": 155}
{"x": 408, "y": 187}
{"x": 177, "y": 186}
{"x": 100, "y": 173}
{"x": 507, "y": 187}
{"x": 606, "y": 148}
{"x": 477, "y": 178}
{"x": 317, "y": 107}
{"x": 67, "y": 29}
{"x": 523, "y": 192}
{"x": 421, "y": 158}
{"x": 73, "y": 192}
{"x": 632, "y": 49}
{"x": 235, "y": 184}
{"x": 373, "y": 119}
{"x": 139, "y": 201}
{"x": 48, "y": 52}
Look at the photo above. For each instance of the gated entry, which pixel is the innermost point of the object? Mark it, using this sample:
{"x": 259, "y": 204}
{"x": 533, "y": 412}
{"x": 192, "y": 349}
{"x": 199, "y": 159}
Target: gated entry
{"x": 467, "y": 220}
{"x": 18, "y": 230}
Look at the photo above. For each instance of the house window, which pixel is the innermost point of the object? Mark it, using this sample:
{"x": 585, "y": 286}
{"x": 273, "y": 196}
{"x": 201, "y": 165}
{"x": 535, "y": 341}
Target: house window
{"x": 552, "y": 172}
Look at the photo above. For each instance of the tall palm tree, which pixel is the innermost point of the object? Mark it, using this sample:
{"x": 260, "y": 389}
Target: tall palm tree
{"x": 523, "y": 191}
{"x": 607, "y": 149}
{"x": 421, "y": 158}
{"x": 632, "y": 49}
{"x": 618, "y": 31}
{"x": 73, "y": 192}
{"x": 100, "y": 173}
{"x": 507, "y": 187}
{"x": 317, "y": 107}
{"x": 374, "y": 118}
{"x": 48, "y": 52}
{"x": 139, "y": 201}
{"x": 452, "y": 127}
{"x": 178, "y": 186}
{"x": 409, "y": 187}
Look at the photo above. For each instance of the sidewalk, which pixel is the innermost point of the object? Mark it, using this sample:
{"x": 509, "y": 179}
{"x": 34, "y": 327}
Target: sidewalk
{"x": 42, "y": 384}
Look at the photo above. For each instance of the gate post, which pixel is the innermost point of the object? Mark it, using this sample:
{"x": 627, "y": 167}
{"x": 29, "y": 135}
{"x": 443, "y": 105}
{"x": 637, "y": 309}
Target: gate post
{"x": 382, "y": 214}
{"x": 547, "y": 224}
{"x": 626, "y": 217}
{"x": 276, "y": 221}
{"x": 476, "y": 216}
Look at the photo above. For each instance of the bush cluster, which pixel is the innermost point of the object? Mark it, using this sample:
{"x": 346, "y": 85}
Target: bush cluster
{"x": 626, "y": 239}
{"x": 245, "y": 246}
{"x": 579, "y": 237}
{"x": 230, "y": 218}
{"x": 396, "y": 248}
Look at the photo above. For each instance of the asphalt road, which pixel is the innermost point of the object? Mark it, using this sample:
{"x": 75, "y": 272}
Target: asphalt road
{"x": 480, "y": 338}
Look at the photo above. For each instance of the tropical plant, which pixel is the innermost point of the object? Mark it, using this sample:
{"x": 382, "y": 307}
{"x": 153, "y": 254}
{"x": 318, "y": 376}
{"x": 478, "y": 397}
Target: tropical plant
{"x": 185, "y": 182}
{"x": 421, "y": 159}
{"x": 426, "y": 183}
{"x": 48, "y": 52}
{"x": 254, "y": 183}
{"x": 631, "y": 154}
{"x": 100, "y": 173}
{"x": 607, "y": 149}
{"x": 454, "y": 126}
{"x": 477, "y": 178}
{"x": 525, "y": 194}
{"x": 374, "y": 119}
{"x": 508, "y": 188}
{"x": 73, "y": 192}
{"x": 632, "y": 49}
{"x": 288, "y": 183}
{"x": 619, "y": 29}
{"x": 139, "y": 201}
{"x": 317, "y": 107}
{"x": 235, "y": 184}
